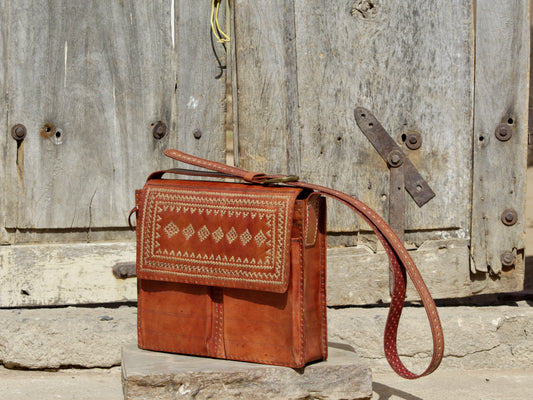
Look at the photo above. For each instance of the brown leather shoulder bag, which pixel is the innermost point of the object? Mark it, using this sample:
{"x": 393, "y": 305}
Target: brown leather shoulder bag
{"x": 238, "y": 270}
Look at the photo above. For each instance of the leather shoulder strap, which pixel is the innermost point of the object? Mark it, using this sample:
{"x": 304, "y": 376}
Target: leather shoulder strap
{"x": 400, "y": 260}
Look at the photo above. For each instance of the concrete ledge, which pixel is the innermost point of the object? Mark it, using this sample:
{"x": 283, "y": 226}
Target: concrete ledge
{"x": 161, "y": 376}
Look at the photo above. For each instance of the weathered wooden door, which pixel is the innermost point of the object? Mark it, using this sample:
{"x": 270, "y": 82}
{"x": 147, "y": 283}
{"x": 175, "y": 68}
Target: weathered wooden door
{"x": 99, "y": 74}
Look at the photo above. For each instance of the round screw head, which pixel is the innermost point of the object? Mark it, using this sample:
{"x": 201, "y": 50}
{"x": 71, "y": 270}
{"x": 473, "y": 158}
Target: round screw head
{"x": 18, "y": 132}
{"x": 395, "y": 158}
{"x": 509, "y": 217}
{"x": 503, "y": 132}
{"x": 197, "y": 133}
{"x": 413, "y": 140}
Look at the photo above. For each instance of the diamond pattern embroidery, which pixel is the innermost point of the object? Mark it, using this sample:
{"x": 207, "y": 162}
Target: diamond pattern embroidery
{"x": 188, "y": 232}
{"x": 218, "y": 234}
{"x": 171, "y": 229}
{"x": 260, "y": 238}
{"x": 203, "y": 233}
{"x": 232, "y": 235}
{"x": 246, "y": 236}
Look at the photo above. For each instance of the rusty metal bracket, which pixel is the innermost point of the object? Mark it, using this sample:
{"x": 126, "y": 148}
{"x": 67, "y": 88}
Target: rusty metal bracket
{"x": 415, "y": 185}
{"x": 403, "y": 174}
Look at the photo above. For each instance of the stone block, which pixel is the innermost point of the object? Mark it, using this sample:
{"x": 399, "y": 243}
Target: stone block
{"x": 161, "y": 376}
{"x": 50, "y": 338}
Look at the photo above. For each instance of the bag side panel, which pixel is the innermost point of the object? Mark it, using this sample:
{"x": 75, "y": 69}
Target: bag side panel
{"x": 315, "y": 281}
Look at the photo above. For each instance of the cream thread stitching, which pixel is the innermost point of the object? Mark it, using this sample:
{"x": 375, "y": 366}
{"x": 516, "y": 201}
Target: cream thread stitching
{"x": 278, "y": 243}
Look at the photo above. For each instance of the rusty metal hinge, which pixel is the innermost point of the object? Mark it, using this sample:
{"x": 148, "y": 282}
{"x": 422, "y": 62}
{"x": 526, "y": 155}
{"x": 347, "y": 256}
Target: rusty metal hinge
{"x": 403, "y": 174}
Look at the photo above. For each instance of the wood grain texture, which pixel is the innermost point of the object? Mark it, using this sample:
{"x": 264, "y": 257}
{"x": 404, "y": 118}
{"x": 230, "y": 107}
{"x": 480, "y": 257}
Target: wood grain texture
{"x": 3, "y": 119}
{"x": 60, "y": 274}
{"x": 102, "y": 73}
{"x": 412, "y": 66}
{"x": 442, "y": 263}
{"x": 199, "y": 103}
{"x": 501, "y": 96}
{"x": 87, "y": 69}
{"x": 266, "y": 85}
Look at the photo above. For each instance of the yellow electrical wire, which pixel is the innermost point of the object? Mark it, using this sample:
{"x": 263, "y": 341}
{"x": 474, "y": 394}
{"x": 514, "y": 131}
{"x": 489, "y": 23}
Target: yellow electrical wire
{"x": 215, "y": 7}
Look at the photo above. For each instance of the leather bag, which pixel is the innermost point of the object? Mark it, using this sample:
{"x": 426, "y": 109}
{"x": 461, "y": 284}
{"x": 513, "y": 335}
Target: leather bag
{"x": 238, "y": 270}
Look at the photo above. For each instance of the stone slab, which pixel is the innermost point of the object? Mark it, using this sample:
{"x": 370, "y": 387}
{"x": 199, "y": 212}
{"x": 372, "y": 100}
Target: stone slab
{"x": 161, "y": 376}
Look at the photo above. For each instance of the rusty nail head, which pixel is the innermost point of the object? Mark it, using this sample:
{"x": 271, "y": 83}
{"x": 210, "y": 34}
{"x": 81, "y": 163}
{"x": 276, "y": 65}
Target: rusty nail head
{"x": 159, "y": 130}
{"x": 18, "y": 132}
{"x": 395, "y": 158}
{"x": 413, "y": 140}
{"x": 197, "y": 133}
{"x": 503, "y": 132}
{"x": 508, "y": 259}
{"x": 509, "y": 217}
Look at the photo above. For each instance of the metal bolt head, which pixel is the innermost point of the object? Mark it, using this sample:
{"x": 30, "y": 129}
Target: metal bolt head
{"x": 509, "y": 217}
{"x": 395, "y": 158}
{"x": 503, "y": 132}
{"x": 159, "y": 130}
{"x": 197, "y": 133}
{"x": 18, "y": 132}
{"x": 413, "y": 140}
{"x": 508, "y": 259}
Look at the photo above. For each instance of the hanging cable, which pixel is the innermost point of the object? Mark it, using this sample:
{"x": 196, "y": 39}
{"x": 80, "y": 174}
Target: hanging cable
{"x": 219, "y": 34}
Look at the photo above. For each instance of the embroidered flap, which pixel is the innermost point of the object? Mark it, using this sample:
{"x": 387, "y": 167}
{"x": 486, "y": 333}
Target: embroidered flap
{"x": 216, "y": 234}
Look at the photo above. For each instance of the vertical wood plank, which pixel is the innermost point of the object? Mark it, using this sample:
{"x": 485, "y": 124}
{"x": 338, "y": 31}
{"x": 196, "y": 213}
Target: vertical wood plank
{"x": 199, "y": 101}
{"x": 3, "y": 118}
{"x": 501, "y": 84}
{"x": 266, "y": 84}
{"x": 412, "y": 66}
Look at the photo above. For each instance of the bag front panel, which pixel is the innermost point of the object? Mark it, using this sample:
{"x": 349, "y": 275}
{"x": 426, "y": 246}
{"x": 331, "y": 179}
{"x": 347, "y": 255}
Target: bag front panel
{"x": 174, "y": 317}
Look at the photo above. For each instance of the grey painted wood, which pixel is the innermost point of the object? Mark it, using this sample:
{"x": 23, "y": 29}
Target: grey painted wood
{"x": 499, "y": 168}
{"x": 102, "y": 73}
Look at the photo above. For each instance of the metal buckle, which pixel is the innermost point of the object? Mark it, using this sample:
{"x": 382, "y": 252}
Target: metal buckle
{"x": 284, "y": 179}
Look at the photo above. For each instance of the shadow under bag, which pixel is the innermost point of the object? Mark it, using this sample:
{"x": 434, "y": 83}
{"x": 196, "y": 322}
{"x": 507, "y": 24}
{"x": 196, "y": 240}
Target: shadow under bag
{"x": 238, "y": 270}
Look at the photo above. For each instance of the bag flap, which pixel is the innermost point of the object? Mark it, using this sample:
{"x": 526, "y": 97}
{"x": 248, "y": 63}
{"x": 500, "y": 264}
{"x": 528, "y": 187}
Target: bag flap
{"x": 216, "y": 234}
